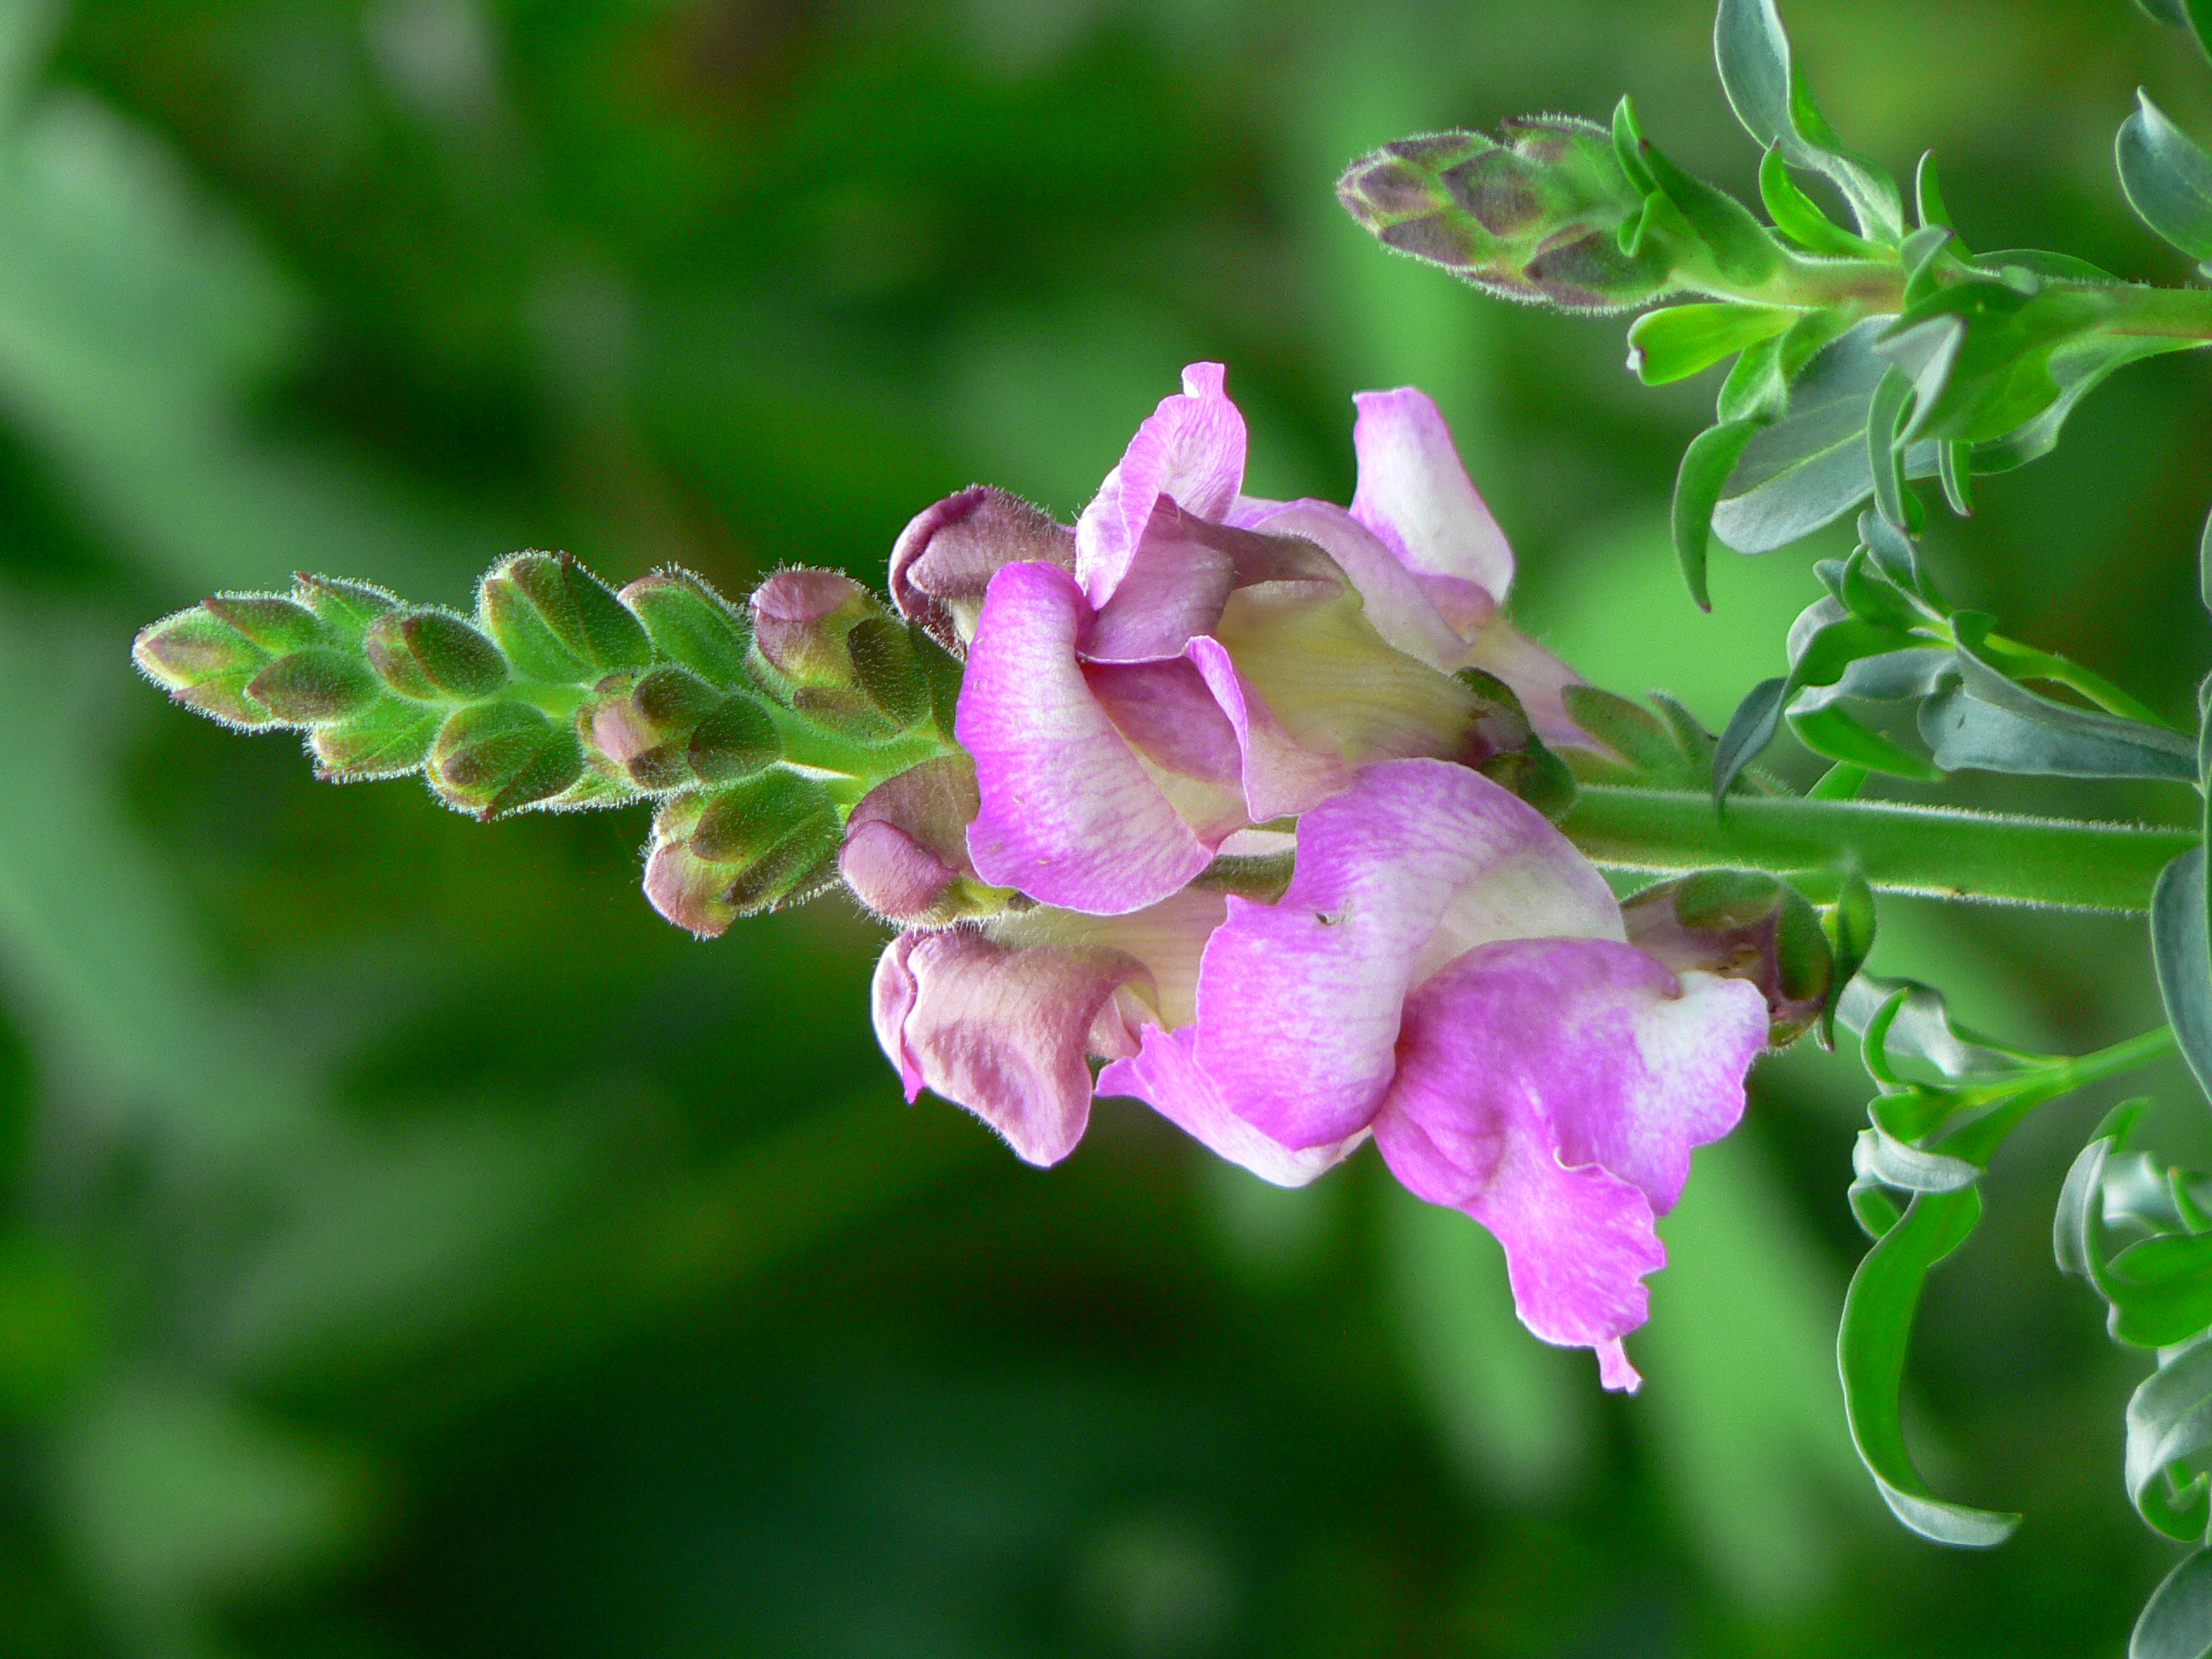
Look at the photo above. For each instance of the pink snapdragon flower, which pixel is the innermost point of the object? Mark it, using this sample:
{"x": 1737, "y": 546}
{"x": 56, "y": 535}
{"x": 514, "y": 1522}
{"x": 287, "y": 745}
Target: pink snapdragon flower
{"x": 1444, "y": 972}
{"x": 1192, "y": 660}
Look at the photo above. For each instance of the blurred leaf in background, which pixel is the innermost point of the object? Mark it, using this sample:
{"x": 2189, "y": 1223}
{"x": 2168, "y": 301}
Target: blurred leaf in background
{"x": 412, "y": 1247}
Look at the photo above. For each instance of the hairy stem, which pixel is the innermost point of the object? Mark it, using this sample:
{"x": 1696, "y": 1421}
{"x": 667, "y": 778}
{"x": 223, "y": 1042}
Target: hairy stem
{"x": 1937, "y": 852}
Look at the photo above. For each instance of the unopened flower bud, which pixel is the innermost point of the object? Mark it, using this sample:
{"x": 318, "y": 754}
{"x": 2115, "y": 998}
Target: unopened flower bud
{"x": 735, "y": 740}
{"x": 311, "y": 686}
{"x": 822, "y": 642}
{"x": 1740, "y": 924}
{"x": 905, "y": 852}
{"x": 558, "y": 622}
{"x": 646, "y": 730}
{"x": 1537, "y": 217}
{"x": 343, "y": 608}
{"x": 490, "y": 758}
{"x": 691, "y": 623}
{"x": 754, "y": 846}
{"x": 1503, "y": 745}
{"x": 946, "y": 558}
{"x": 433, "y": 655}
{"x": 205, "y": 664}
{"x": 274, "y": 623}
{"x": 389, "y": 738}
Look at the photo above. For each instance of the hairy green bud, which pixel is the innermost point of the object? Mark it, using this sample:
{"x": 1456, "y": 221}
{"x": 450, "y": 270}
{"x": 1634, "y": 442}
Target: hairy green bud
{"x": 205, "y": 664}
{"x": 276, "y": 623}
{"x": 1539, "y": 217}
{"x": 754, "y": 846}
{"x": 735, "y": 740}
{"x": 389, "y": 738}
{"x": 318, "y": 683}
{"x": 822, "y": 644}
{"x": 689, "y": 623}
{"x": 345, "y": 609}
{"x": 433, "y": 655}
{"x": 1740, "y": 924}
{"x": 558, "y": 622}
{"x": 490, "y": 758}
{"x": 644, "y": 730}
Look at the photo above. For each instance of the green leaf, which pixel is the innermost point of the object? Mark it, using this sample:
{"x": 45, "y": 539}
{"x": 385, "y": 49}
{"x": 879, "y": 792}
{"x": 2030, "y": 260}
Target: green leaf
{"x": 1954, "y": 463}
{"x": 1750, "y": 730}
{"x": 2081, "y": 1205}
{"x": 1921, "y": 1026}
{"x": 2177, "y": 1621}
{"x": 2160, "y": 1290}
{"x": 1703, "y": 474}
{"x": 1742, "y": 249}
{"x": 2165, "y": 11}
{"x": 1829, "y": 732}
{"x": 1928, "y": 194}
{"x": 1850, "y": 940}
{"x": 2169, "y": 1425}
{"x": 1810, "y": 466}
{"x": 1677, "y": 341}
{"x": 2204, "y": 565}
{"x": 2178, "y": 947}
{"x": 1798, "y": 216}
{"x": 1911, "y": 1169}
{"x": 1638, "y": 737}
{"x": 1769, "y": 95}
{"x": 1885, "y": 464}
{"x": 1871, "y": 1348}
{"x": 1628, "y": 145}
{"x": 1756, "y": 390}
{"x": 2168, "y": 179}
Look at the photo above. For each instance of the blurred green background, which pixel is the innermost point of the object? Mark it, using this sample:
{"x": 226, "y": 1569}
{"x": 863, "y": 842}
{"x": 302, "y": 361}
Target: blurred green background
{"x": 409, "y": 1246}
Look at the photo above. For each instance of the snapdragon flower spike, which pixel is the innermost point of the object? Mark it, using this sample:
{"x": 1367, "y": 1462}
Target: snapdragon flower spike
{"x": 1446, "y": 971}
{"x": 1206, "y": 660}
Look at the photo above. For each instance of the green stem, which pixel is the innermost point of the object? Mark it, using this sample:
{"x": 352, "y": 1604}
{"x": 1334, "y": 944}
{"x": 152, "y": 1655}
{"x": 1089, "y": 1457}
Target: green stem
{"x": 2120, "y": 1057}
{"x": 1937, "y": 852}
{"x": 1979, "y": 1140}
{"x": 2026, "y": 662}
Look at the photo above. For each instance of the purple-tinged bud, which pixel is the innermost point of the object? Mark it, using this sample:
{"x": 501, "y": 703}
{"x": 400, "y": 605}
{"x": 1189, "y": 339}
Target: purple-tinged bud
{"x": 822, "y": 643}
{"x": 735, "y": 740}
{"x": 389, "y": 739}
{"x": 558, "y": 622}
{"x": 433, "y": 655}
{"x": 691, "y": 623}
{"x": 758, "y": 845}
{"x": 275, "y": 624}
{"x": 800, "y": 619}
{"x": 905, "y": 852}
{"x": 946, "y": 558}
{"x": 205, "y": 664}
{"x": 490, "y": 758}
{"x": 1503, "y": 745}
{"x": 345, "y": 607}
{"x": 1537, "y": 217}
{"x": 646, "y": 732}
{"x": 311, "y": 686}
{"x": 1740, "y": 924}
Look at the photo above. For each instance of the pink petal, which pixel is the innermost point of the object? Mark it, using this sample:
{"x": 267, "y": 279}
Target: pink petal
{"x": 1165, "y": 1075}
{"x": 1279, "y": 776}
{"x": 906, "y": 846}
{"x": 1552, "y": 1089}
{"x": 1169, "y": 938}
{"x": 1179, "y": 732}
{"x": 1003, "y": 1031}
{"x": 1415, "y": 494}
{"x": 1070, "y": 814}
{"x": 1395, "y": 602}
{"x": 1417, "y": 862}
{"x": 1191, "y": 449}
{"x": 1179, "y": 577}
{"x": 946, "y": 556}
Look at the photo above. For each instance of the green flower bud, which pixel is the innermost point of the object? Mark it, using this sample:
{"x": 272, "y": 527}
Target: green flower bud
{"x": 558, "y": 622}
{"x": 768, "y": 842}
{"x": 316, "y": 685}
{"x": 645, "y": 731}
{"x": 1740, "y": 924}
{"x": 389, "y": 738}
{"x": 433, "y": 655}
{"x": 205, "y": 664}
{"x": 691, "y": 623}
{"x": 490, "y": 758}
{"x": 275, "y": 624}
{"x": 822, "y": 643}
{"x": 344, "y": 607}
{"x": 1536, "y": 218}
{"x": 735, "y": 740}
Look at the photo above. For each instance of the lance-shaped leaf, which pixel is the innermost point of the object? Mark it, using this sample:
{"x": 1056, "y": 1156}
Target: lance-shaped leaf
{"x": 1798, "y": 216}
{"x": 1921, "y": 1026}
{"x": 1871, "y": 1348}
{"x": 1836, "y": 735}
{"x": 2168, "y": 179}
{"x": 1992, "y": 722}
{"x": 1677, "y": 341}
{"x": 2078, "y": 366}
{"x": 1735, "y": 243}
{"x": 1850, "y": 940}
{"x": 2179, "y": 948}
{"x": 2177, "y": 1621}
{"x": 1704, "y": 472}
{"x": 2169, "y": 1434}
{"x": 1811, "y": 466}
{"x": 1824, "y": 643}
{"x": 1979, "y": 355}
{"x": 1885, "y": 465}
{"x": 1768, "y": 92}
{"x": 1882, "y": 1157}
{"x": 2160, "y": 1290}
